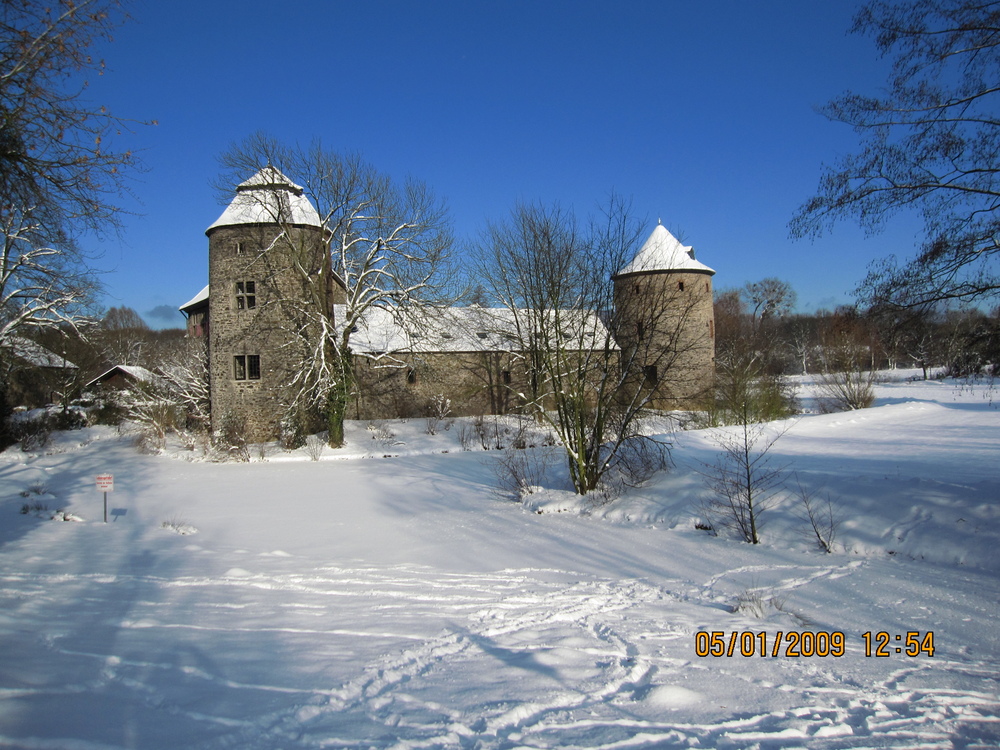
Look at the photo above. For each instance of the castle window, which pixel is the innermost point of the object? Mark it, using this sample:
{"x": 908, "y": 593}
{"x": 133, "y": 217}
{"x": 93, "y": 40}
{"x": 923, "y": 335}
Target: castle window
{"x": 246, "y": 295}
{"x": 246, "y": 367}
{"x": 241, "y": 248}
{"x": 411, "y": 376}
{"x": 680, "y": 286}
{"x": 505, "y": 376}
{"x": 649, "y": 374}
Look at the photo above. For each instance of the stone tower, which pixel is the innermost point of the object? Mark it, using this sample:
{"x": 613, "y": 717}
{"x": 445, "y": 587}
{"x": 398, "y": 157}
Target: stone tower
{"x": 664, "y": 322}
{"x": 269, "y": 276}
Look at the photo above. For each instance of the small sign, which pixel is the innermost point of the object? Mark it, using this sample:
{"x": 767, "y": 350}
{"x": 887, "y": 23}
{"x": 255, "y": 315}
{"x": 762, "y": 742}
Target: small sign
{"x": 105, "y": 482}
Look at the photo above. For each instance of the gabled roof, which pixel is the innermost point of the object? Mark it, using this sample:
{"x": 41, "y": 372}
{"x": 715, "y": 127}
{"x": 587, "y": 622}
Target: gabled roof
{"x": 459, "y": 329}
{"x": 201, "y": 298}
{"x": 37, "y": 355}
{"x": 268, "y": 197}
{"x": 132, "y": 373}
{"x": 664, "y": 252}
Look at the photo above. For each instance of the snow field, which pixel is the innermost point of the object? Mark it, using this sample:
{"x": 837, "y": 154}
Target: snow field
{"x": 399, "y": 603}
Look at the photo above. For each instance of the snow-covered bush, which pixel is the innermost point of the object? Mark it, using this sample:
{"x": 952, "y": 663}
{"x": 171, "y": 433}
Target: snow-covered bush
{"x": 230, "y": 441}
{"x": 438, "y": 411}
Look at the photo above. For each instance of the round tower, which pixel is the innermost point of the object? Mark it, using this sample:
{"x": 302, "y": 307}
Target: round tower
{"x": 665, "y": 324}
{"x": 268, "y": 271}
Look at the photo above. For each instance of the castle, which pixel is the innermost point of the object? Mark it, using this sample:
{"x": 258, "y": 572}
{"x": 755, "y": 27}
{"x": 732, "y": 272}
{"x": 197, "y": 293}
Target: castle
{"x": 268, "y": 262}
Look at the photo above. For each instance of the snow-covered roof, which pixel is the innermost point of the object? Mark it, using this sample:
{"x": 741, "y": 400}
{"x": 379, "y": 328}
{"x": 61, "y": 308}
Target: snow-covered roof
{"x": 664, "y": 252}
{"x": 458, "y": 329}
{"x": 199, "y": 299}
{"x": 37, "y": 355}
{"x": 267, "y": 198}
{"x": 134, "y": 372}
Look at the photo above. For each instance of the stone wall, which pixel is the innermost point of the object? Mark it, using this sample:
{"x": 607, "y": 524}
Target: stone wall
{"x": 263, "y": 321}
{"x": 665, "y": 325}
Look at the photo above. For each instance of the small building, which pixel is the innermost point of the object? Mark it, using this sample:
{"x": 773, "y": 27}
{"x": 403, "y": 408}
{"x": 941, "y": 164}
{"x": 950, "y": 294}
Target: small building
{"x": 35, "y": 376}
{"x": 122, "y": 377}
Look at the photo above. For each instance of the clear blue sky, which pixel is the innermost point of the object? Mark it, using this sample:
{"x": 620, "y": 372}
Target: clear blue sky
{"x": 703, "y": 112}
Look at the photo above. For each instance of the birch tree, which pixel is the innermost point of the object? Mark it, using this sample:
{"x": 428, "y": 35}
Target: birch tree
{"x": 387, "y": 244}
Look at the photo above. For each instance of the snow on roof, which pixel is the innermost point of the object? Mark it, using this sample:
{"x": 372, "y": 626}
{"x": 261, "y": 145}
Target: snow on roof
{"x": 664, "y": 252}
{"x": 267, "y": 198}
{"x": 199, "y": 299}
{"x": 134, "y": 372}
{"x": 457, "y": 329}
{"x": 37, "y": 355}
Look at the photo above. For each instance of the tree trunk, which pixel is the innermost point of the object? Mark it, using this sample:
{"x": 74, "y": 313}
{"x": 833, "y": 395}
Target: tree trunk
{"x": 338, "y": 400}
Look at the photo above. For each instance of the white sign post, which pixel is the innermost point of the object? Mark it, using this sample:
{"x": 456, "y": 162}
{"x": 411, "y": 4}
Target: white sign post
{"x": 106, "y": 484}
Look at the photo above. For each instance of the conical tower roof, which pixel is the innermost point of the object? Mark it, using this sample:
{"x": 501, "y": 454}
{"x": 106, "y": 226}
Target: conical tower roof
{"x": 663, "y": 252}
{"x": 268, "y": 198}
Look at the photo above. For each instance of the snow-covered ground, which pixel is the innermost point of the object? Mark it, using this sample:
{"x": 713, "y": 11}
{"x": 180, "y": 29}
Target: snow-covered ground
{"x": 401, "y": 603}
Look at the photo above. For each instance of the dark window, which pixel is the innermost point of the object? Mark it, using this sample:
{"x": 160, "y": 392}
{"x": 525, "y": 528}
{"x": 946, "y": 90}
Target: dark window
{"x": 241, "y": 248}
{"x": 246, "y": 367}
{"x": 411, "y": 377}
{"x": 482, "y": 334}
{"x": 505, "y": 375}
{"x": 649, "y": 375}
{"x": 680, "y": 286}
{"x": 246, "y": 295}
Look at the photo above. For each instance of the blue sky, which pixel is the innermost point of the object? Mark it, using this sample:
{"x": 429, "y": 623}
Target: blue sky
{"x": 702, "y": 112}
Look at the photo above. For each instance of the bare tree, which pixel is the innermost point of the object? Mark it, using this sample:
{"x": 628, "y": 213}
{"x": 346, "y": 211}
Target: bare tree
{"x": 122, "y": 336}
{"x": 386, "y": 246}
{"x": 930, "y": 144}
{"x": 750, "y": 385}
{"x": 552, "y": 278}
{"x": 41, "y": 286}
{"x": 743, "y": 479}
{"x": 849, "y": 373}
{"x": 769, "y": 299}
{"x": 59, "y": 171}
{"x": 186, "y": 378}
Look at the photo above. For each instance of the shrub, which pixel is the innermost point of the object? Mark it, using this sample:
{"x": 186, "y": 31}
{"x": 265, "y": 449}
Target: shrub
{"x": 292, "y": 433}
{"x": 846, "y": 391}
{"x": 314, "y": 447}
{"x": 231, "y": 438}
{"x": 32, "y": 431}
